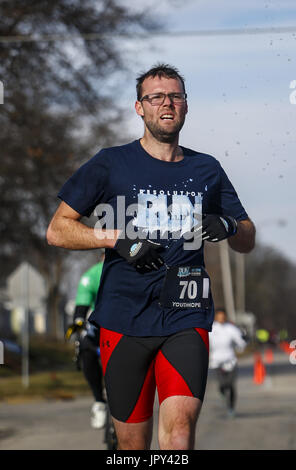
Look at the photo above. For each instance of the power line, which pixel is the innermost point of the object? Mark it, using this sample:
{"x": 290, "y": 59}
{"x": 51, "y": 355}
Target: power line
{"x": 147, "y": 35}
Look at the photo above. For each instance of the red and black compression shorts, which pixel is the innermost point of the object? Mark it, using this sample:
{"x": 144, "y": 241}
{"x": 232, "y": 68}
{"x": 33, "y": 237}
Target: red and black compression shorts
{"x": 134, "y": 367}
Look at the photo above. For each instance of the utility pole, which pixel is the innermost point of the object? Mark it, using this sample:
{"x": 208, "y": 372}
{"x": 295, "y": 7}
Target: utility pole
{"x": 227, "y": 280}
{"x": 25, "y": 329}
{"x": 240, "y": 294}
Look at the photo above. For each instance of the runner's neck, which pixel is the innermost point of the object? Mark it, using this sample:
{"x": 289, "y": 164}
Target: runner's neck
{"x": 169, "y": 152}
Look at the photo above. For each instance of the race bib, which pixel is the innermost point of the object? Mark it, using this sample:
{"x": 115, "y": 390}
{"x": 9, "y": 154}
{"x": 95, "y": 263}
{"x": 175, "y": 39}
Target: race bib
{"x": 186, "y": 287}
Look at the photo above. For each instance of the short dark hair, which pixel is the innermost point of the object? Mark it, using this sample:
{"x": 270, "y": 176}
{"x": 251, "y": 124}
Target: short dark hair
{"x": 220, "y": 309}
{"x": 159, "y": 70}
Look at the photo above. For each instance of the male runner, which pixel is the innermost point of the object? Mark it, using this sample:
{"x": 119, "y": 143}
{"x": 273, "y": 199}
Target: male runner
{"x": 225, "y": 340}
{"x": 154, "y": 305}
{"x": 90, "y": 340}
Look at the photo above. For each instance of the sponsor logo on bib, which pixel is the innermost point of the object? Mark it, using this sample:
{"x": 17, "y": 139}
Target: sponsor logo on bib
{"x": 183, "y": 272}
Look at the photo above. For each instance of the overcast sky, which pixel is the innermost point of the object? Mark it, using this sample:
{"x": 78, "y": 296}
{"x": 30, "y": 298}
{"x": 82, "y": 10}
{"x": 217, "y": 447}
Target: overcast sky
{"x": 239, "y": 99}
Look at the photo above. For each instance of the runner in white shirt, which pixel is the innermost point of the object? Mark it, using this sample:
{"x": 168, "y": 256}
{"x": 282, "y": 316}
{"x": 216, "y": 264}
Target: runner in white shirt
{"x": 225, "y": 340}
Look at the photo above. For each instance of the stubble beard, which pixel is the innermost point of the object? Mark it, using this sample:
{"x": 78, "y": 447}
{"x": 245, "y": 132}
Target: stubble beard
{"x": 161, "y": 134}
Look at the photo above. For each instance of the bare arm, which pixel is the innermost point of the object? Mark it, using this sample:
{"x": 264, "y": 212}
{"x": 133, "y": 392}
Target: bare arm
{"x": 66, "y": 231}
{"x": 244, "y": 239}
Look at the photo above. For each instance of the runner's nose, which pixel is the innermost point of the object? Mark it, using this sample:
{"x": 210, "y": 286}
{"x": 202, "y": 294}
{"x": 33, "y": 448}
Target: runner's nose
{"x": 168, "y": 101}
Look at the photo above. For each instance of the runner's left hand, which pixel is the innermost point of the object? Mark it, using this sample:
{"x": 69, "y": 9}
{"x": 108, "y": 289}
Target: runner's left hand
{"x": 217, "y": 227}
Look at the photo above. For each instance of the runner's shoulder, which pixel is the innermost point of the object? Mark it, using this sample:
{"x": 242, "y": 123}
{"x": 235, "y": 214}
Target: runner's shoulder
{"x": 94, "y": 270}
{"x": 232, "y": 328}
{"x": 204, "y": 157}
{"x": 92, "y": 275}
{"x": 115, "y": 151}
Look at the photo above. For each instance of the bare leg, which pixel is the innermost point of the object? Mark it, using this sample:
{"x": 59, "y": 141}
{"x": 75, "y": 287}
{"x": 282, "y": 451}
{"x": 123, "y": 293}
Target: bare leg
{"x": 133, "y": 436}
{"x": 177, "y": 422}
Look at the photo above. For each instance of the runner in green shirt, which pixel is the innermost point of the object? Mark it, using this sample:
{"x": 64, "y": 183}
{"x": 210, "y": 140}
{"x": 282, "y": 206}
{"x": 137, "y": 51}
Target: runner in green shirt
{"x": 90, "y": 340}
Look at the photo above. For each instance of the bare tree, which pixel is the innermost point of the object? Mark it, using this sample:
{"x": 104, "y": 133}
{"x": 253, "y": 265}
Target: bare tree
{"x": 55, "y": 61}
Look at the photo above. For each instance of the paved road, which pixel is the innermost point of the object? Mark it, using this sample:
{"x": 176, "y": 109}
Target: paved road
{"x": 265, "y": 418}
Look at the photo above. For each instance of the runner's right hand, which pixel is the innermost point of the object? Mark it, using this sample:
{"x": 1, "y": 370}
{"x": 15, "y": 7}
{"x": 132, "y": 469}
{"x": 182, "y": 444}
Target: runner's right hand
{"x": 140, "y": 253}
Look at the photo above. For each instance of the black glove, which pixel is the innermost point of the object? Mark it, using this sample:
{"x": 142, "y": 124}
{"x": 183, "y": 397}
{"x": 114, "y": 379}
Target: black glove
{"x": 218, "y": 227}
{"x": 140, "y": 253}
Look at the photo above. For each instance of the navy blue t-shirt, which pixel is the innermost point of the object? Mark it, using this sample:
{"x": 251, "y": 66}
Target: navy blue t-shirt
{"x": 128, "y": 187}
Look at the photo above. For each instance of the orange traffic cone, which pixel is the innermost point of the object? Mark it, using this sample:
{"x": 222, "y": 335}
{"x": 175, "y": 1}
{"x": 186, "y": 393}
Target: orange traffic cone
{"x": 259, "y": 370}
{"x": 268, "y": 356}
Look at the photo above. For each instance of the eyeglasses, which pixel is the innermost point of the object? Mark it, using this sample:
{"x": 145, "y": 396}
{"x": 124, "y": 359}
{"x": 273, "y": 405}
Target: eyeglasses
{"x": 157, "y": 99}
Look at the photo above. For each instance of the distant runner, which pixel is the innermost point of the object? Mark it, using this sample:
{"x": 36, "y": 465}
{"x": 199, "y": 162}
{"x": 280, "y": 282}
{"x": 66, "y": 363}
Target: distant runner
{"x": 225, "y": 340}
{"x": 90, "y": 342}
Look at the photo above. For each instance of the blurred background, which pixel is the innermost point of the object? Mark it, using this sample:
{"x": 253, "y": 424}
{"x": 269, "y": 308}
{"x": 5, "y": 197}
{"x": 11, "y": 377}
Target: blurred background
{"x": 68, "y": 70}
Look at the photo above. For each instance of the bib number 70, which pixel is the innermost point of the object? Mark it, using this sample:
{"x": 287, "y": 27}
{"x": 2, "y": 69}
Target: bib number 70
{"x": 191, "y": 288}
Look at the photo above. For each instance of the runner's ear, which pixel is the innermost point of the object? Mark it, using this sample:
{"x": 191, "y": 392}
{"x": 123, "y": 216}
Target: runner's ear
{"x": 139, "y": 108}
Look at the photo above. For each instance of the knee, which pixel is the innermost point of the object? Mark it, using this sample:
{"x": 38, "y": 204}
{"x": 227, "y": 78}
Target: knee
{"x": 179, "y": 437}
{"x": 133, "y": 436}
{"x": 135, "y": 443}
